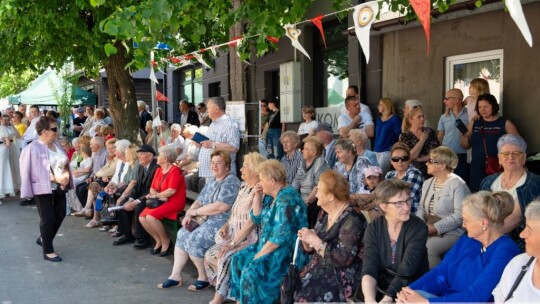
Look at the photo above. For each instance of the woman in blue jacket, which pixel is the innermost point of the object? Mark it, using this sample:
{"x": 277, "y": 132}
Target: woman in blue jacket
{"x": 472, "y": 268}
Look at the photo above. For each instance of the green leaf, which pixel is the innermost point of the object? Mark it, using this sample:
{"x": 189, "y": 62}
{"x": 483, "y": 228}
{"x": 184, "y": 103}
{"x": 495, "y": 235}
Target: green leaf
{"x": 95, "y": 3}
{"x": 110, "y": 49}
{"x": 478, "y": 3}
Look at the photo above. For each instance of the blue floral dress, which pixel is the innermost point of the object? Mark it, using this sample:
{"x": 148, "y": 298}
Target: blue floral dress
{"x": 199, "y": 240}
{"x": 259, "y": 281}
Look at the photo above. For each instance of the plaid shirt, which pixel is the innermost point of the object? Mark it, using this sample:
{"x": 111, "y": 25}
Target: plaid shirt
{"x": 225, "y": 130}
{"x": 291, "y": 165}
{"x": 415, "y": 178}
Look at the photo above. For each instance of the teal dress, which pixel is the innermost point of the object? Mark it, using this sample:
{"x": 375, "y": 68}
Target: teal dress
{"x": 259, "y": 281}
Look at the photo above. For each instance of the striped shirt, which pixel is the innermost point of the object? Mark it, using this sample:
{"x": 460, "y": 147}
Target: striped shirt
{"x": 291, "y": 165}
{"x": 225, "y": 130}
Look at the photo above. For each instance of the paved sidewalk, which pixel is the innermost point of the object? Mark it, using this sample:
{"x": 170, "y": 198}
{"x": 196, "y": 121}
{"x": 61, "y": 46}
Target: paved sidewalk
{"x": 93, "y": 271}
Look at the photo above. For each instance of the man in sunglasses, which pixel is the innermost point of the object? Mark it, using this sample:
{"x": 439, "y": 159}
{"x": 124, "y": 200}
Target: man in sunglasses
{"x": 452, "y": 124}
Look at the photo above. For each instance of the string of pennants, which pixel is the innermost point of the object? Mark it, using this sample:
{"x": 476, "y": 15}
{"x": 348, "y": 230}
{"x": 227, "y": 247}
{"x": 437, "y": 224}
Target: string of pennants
{"x": 363, "y": 15}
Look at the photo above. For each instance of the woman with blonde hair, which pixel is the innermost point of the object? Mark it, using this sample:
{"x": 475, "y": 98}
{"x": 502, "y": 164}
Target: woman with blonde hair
{"x": 477, "y": 87}
{"x": 238, "y": 232}
{"x": 359, "y": 138}
{"x": 440, "y": 204}
{"x": 472, "y": 268}
{"x": 418, "y": 138}
{"x": 387, "y": 131}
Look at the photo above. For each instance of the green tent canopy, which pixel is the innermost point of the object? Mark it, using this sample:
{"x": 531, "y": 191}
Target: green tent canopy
{"x": 41, "y": 92}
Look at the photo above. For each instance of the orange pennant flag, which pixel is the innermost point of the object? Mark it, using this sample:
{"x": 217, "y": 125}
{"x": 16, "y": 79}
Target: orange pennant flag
{"x": 318, "y": 23}
{"x": 422, "y": 8}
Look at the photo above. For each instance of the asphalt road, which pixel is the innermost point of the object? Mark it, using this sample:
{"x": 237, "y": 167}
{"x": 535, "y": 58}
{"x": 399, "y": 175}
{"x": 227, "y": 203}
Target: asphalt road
{"x": 93, "y": 271}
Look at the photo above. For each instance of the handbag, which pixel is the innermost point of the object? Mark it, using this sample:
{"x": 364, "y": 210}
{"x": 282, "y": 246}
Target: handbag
{"x": 524, "y": 269}
{"x": 153, "y": 203}
{"x": 492, "y": 165}
{"x": 108, "y": 217}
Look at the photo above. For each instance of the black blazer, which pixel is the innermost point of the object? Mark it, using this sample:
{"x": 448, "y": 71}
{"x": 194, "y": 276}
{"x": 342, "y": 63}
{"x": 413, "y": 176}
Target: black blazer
{"x": 193, "y": 118}
{"x": 145, "y": 116}
{"x": 144, "y": 181}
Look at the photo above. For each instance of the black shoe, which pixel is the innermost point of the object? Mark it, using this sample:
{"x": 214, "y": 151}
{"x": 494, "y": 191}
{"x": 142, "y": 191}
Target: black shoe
{"x": 155, "y": 251}
{"x": 38, "y": 241}
{"x": 123, "y": 240}
{"x": 165, "y": 253}
{"x": 140, "y": 244}
{"x": 55, "y": 259}
{"x": 27, "y": 202}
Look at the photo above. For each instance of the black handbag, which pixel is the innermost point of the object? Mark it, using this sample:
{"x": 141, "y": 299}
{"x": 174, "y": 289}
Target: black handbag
{"x": 153, "y": 203}
{"x": 108, "y": 218}
{"x": 291, "y": 280}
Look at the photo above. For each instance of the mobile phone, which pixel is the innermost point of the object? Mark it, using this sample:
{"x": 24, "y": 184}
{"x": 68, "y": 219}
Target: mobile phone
{"x": 461, "y": 126}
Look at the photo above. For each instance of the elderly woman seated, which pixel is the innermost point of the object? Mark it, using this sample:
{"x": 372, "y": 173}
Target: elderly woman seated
{"x": 351, "y": 166}
{"x": 257, "y": 271}
{"x": 440, "y": 205}
{"x": 293, "y": 157}
{"x": 471, "y": 269}
{"x": 206, "y": 216}
{"x": 523, "y": 185}
{"x": 168, "y": 186}
{"x": 238, "y": 232}
{"x": 308, "y": 174}
{"x": 334, "y": 245}
{"x": 520, "y": 284}
{"x": 394, "y": 244}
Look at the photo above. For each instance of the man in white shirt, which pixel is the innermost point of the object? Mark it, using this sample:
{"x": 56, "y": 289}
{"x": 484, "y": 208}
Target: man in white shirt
{"x": 354, "y": 119}
{"x": 352, "y": 90}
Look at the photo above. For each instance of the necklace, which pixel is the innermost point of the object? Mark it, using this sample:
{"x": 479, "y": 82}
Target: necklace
{"x": 331, "y": 222}
{"x": 509, "y": 182}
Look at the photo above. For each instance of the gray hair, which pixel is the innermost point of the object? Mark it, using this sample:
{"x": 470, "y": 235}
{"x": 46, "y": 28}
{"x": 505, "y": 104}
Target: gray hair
{"x": 413, "y": 103}
{"x": 293, "y": 136}
{"x": 346, "y": 145}
{"x": 141, "y": 104}
{"x": 511, "y": 139}
{"x": 75, "y": 141}
{"x": 532, "y": 212}
{"x": 122, "y": 145}
{"x": 169, "y": 152}
{"x": 176, "y": 127}
{"x": 98, "y": 140}
{"x": 218, "y": 101}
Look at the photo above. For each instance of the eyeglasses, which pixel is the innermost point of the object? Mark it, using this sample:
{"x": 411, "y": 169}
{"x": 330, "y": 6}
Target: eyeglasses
{"x": 401, "y": 204}
{"x": 434, "y": 161}
{"x": 513, "y": 153}
{"x": 55, "y": 129}
{"x": 402, "y": 158}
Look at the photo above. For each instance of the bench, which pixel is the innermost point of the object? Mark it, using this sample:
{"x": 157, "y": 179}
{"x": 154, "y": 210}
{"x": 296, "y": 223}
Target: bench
{"x": 172, "y": 227}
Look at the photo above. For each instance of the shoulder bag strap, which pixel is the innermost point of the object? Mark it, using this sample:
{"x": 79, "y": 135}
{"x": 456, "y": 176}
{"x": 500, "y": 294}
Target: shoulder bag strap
{"x": 484, "y": 138}
{"x": 426, "y": 210}
{"x": 519, "y": 278}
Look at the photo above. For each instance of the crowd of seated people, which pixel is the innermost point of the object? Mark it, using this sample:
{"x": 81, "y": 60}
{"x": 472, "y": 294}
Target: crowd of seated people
{"x": 402, "y": 223}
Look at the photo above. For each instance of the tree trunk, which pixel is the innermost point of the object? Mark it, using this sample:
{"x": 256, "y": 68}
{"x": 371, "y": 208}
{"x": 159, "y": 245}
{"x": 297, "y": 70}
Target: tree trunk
{"x": 122, "y": 97}
{"x": 236, "y": 79}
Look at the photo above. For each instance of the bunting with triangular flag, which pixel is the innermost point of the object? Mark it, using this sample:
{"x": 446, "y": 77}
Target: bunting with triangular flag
{"x": 516, "y": 12}
{"x": 363, "y": 16}
{"x": 293, "y": 33}
{"x": 317, "y": 21}
{"x": 422, "y": 8}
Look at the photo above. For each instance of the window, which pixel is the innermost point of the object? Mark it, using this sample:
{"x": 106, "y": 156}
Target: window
{"x": 461, "y": 69}
{"x": 331, "y": 65}
{"x": 191, "y": 84}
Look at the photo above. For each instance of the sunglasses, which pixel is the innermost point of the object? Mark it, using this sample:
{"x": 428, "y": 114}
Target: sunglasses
{"x": 403, "y": 159}
{"x": 55, "y": 129}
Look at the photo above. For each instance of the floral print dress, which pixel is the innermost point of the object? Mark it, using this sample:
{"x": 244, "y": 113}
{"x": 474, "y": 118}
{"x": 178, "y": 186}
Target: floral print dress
{"x": 259, "y": 280}
{"x": 334, "y": 277}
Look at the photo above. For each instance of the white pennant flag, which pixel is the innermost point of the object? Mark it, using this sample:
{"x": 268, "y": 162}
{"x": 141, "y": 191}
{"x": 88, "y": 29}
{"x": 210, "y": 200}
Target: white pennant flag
{"x": 293, "y": 33}
{"x": 213, "y": 50}
{"x": 200, "y": 59}
{"x": 363, "y": 16}
{"x": 156, "y": 123}
{"x": 516, "y": 12}
{"x": 152, "y": 74}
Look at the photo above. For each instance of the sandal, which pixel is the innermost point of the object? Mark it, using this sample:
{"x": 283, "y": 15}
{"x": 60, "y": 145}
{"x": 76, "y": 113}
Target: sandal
{"x": 81, "y": 213}
{"x": 198, "y": 285}
{"x": 92, "y": 224}
{"x": 169, "y": 283}
{"x": 104, "y": 228}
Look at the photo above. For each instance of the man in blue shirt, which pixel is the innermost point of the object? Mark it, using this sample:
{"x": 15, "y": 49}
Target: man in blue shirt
{"x": 448, "y": 131}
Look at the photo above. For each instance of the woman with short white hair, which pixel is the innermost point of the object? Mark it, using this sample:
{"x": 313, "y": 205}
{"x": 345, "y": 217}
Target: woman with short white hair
{"x": 519, "y": 284}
